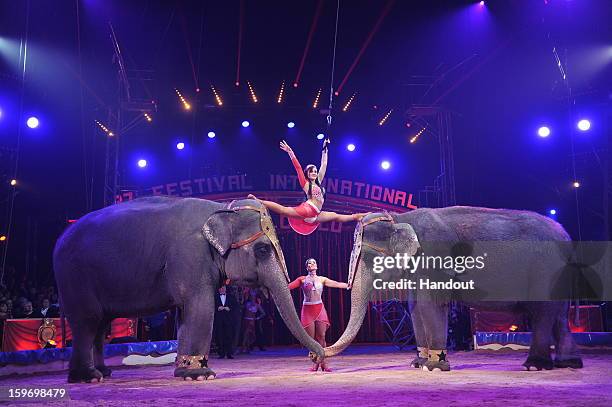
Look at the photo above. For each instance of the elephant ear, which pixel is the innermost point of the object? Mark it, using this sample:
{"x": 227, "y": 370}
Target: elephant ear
{"x": 404, "y": 239}
{"x": 218, "y": 230}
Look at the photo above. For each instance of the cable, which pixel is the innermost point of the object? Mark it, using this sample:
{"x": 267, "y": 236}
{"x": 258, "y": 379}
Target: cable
{"x": 333, "y": 68}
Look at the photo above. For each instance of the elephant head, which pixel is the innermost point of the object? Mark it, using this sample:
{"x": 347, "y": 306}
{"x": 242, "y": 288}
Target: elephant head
{"x": 249, "y": 253}
{"x": 378, "y": 234}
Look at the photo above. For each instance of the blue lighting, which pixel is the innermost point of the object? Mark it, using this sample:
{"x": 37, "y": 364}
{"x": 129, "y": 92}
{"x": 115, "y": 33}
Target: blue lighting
{"x": 320, "y": 136}
{"x": 245, "y": 124}
{"x": 553, "y": 212}
{"x": 385, "y": 165}
{"x": 351, "y": 147}
{"x": 211, "y": 134}
{"x": 584, "y": 125}
{"x": 180, "y": 145}
{"x": 32, "y": 122}
{"x": 291, "y": 125}
{"x": 142, "y": 163}
{"x": 543, "y": 132}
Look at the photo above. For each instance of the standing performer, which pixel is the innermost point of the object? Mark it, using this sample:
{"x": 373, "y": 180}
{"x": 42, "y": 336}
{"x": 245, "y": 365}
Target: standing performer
{"x": 305, "y": 218}
{"x": 314, "y": 316}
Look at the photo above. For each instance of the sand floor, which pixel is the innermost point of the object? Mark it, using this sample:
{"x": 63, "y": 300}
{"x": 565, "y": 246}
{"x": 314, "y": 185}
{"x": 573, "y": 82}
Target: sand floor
{"x": 363, "y": 376}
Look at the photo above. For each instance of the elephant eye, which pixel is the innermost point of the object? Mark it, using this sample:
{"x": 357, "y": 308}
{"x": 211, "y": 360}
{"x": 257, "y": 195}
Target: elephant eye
{"x": 262, "y": 250}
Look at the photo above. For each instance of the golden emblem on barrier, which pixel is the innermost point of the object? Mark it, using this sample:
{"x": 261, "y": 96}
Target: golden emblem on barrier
{"x": 46, "y": 333}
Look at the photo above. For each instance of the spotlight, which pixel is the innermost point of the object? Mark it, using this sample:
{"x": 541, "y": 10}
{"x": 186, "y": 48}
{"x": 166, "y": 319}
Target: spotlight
{"x": 482, "y": 3}
{"x": 2, "y": 238}
{"x": 32, "y": 122}
{"x": 281, "y": 93}
{"x": 553, "y": 211}
{"x": 385, "y": 165}
{"x": 385, "y": 118}
{"x": 218, "y": 99}
{"x": 576, "y": 184}
{"x": 316, "y": 101}
{"x": 13, "y": 182}
{"x": 351, "y": 147}
{"x": 584, "y": 125}
{"x": 320, "y": 136}
{"x": 245, "y": 124}
{"x": 0, "y": 113}
{"x": 180, "y": 145}
{"x": 211, "y": 134}
{"x": 543, "y": 132}
{"x": 142, "y": 163}
{"x": 148, "y": 117}
{"x": 291, "y": 125}
{"x": 252, "y": 92}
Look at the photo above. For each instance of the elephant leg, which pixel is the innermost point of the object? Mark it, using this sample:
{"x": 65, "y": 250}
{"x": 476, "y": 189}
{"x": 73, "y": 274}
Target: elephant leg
{"x": 542, "y": 321}
{"x": 434, "y": 319}
{"x": 81, "y": 362}
{"x": 419, "y": 334}
{"x": 98, "y": 349}
{"x": 566, "y": 353}
{"x": 195, "y": 335}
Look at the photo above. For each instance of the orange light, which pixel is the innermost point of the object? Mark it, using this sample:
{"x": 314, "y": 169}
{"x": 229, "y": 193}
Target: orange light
{"x": 316, "y": 101}
{"x": 217, "y": 97}
{"x": 2, "y": 238}
{"x": 416, "y": 136}
{"x": 281, "y": 92}
{"x": 347, "y": 105}
{"x": 385, "y": 117}
{"x": 252, "y": 92}
{"x": 186, "y": 104}
{"x": 513, "y": 328}
{"x": 148, "y": 117}
{"x": 104, "y": 129}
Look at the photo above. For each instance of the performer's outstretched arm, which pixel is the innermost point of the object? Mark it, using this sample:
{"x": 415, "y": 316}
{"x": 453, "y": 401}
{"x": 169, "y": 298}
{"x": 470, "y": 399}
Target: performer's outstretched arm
{"x": 296, "y": 283}
{"x": 328, "y": 282}
{"x": 323, "y": 166}
{"x": 296, "y": 164}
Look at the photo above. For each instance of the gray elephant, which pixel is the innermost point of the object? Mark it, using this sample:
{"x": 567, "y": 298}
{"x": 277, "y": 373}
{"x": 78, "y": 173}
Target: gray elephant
{"x": 444, "y": 229}
{"x": 147, "y": 255}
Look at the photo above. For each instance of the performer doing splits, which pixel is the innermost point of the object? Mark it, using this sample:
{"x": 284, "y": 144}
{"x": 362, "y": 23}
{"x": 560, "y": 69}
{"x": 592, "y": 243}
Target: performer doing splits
{"x": 305, "y": 218}
{"x": 314, "y": 317}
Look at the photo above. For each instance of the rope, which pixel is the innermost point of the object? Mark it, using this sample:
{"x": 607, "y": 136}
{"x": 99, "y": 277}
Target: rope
{"x": 333, "y": 68}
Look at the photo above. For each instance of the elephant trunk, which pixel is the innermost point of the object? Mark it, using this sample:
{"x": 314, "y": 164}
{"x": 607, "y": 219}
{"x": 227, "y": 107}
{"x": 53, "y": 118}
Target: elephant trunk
{"x": 361, "y": 289}
{"x": 284, "y": 303}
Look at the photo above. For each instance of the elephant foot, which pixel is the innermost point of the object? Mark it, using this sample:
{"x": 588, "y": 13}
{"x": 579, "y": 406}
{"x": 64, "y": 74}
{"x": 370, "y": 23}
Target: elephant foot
{"x": 574, "y": 363}
{"x": 418, "y": 362}
{"x": 193, "y": 367}
{"x": 538, "y": 363}
{"x": 85, "y": 376}
{"x": 436, "y": 361}
{"x": 105, "y": 370}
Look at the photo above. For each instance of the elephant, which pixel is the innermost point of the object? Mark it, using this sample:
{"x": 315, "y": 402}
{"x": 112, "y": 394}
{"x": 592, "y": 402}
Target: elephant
{"x": 147, "y": 255}
{"x": 431, "y": 230}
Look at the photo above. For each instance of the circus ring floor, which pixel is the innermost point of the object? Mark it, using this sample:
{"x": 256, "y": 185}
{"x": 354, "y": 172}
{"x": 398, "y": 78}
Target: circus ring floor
{"x": 365, "y": 375}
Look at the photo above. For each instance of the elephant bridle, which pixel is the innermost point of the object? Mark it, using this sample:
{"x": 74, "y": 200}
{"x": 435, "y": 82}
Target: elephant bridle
{"x": 358, "y": 243}
{"x": 267, "y": 229}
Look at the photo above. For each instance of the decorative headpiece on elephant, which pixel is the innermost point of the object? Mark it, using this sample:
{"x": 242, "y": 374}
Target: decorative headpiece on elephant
{"x": 150, "y": 254}
{"x": 384, "y": 234}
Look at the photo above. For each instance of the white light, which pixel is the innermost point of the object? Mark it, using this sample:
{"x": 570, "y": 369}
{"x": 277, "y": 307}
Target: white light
{"x": 385, "y": 165}
{"x": 0, "y": 113}
{"x": 245, "y": 124}
{"x": 291, "y": 125}
{"x": 543, "y": 131}
{"x": 576, "y": 184}
{"x": 320, "y": 136}
{"x": 32, "y": 122}
{"x": 553, "y": 212}
{"x": 584, "y": 125}
{"x": 211, "y": 134}
{"x": 180, "y": 146}
{"x": 350, "y": 147}
{"x": 142, "y": 163}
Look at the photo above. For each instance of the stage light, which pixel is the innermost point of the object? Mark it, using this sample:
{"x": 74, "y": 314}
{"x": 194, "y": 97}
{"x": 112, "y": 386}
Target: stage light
{"x": 211, "y": 134}
{"x": 217, "y": 96}
{"x": 385, "y": 165}
{"x": 252, "y": 92}
{"x": 142, "y": 163}
{"x": 385, "y": 118}
{"x": 281, "y": 93}
{"x": 291, "y": 125}
{"x": 584, "y": 125}
{"x": 104, "y": 129}
{"x": 316, "y": 101}
{"x": 32, "y": 122}
{"x": 482, "y": 3}
{"x": 347, "y": 105}
{"x": 320, "y": 136}
{"x": 148, "y": 117}
{"x": 245, "y": 124}
{"x": 416, "y": 136}
{"x": 295, "y": 85}
{"x": 576, "y": 184}
{"x": 0, "y": 113}
{"x": 553, "y": 212}
{"x": 180, "y": 145}
{"x": 13, "y": 182}
{"x": 197, "y": 90}
{"x": 512, "y": 327}
{"x": 186, "y": 104}
{"x": 351, "y": 147}
{"x": 2, "y": 238}
{"x": 237, "y": 83}
{"x": 543, "y": 132}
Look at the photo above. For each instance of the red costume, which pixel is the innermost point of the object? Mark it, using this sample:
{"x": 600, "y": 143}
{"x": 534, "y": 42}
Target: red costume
{"x": 308, "y": 210}
{"x": 312, "y": 306}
